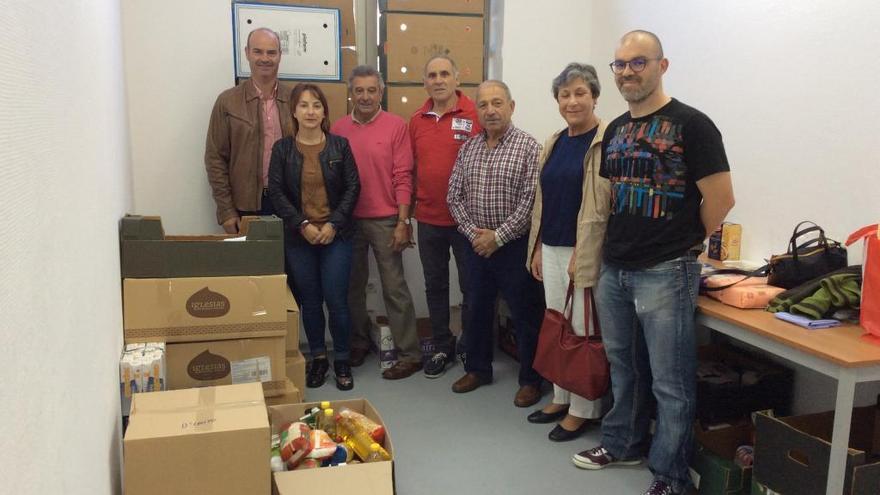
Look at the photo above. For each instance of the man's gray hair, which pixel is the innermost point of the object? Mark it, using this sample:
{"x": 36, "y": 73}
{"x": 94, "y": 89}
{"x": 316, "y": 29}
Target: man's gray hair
{"x": 366, "y": 71}
{"x": 574, "y": 71}
{"x": 265, "y": 30}
{"x": 441, "y": 57}
{"x": 496, "y": 82}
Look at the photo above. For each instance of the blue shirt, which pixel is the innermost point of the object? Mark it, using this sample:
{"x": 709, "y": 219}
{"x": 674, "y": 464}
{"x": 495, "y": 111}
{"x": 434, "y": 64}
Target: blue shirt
{"x": 562, "y": 181}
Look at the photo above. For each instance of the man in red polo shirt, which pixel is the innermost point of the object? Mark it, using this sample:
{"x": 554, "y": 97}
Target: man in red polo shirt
{"x": 438, "y": 129}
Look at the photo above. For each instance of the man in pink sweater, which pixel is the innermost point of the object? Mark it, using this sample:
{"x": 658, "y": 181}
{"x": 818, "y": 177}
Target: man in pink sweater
{"x": 380, "y": 142}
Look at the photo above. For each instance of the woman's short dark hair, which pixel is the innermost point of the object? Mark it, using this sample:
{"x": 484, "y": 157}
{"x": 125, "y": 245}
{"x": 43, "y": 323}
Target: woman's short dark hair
{"x": 575, "y": 70}
{"x": 296, "y": 95}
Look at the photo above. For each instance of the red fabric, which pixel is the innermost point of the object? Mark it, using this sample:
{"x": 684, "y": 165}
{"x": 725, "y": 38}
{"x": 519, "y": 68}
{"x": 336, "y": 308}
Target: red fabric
{"x": 435, "y": 145}
{"x": 577, "y": 364}
{"x": 869, "y": 318}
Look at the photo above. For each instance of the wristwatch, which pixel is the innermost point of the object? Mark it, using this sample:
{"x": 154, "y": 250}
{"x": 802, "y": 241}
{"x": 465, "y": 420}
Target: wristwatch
{"x": 407, "y": 220}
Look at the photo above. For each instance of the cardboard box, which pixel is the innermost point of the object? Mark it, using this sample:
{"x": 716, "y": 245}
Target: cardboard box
{"x": 713, "y": 460}
{"x": 204, "y": 308}
{"x": 292, "y": 339}
{"x": 412, "y": 39}
{"x": 146, "y": 252}
{"x": 228, "y": 362}
{"x": 405, "y": 100}
{"x": 792, "y": 454}
{"x": 348, "y": 28}
{"x": 758, "y": 384}
{"x": 291, "y": 395}
{"x": 206, "y": 440}
{"x": 475, "y": 7}
{"x": 724, "y": 243}
{"x": 295, "y": 366}
{"x": 349, "y": 61}
{"x": 375, "y": 478}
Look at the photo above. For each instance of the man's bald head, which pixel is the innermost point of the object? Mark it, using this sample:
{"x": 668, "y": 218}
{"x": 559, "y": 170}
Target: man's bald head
{"x": 640, "y": 35}
{"x": 266, "y": 31}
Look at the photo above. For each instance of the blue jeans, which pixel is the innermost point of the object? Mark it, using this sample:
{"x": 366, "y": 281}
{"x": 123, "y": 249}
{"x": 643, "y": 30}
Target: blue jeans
{"x": 320, "y": 274}
{"x": 504, "y": 271}
{"x": 647, "y": 319}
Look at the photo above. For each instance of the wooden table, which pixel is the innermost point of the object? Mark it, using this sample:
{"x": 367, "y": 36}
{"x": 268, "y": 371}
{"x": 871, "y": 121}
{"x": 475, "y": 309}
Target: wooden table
{"x": 838, "y": 352}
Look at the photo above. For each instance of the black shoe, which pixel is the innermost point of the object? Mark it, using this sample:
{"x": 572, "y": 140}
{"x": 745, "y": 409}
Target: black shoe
{"x": 560, "y": 434}
{"x": 317, "y": 372}
{"x": 357, "y": 356}
{"x": 344, "y": 380}
{"x": 540, "y": 417}
{"x": 436, "y": 366}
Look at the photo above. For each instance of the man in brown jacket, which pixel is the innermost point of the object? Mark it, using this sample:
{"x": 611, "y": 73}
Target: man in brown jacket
{"x": 245, "y": 122}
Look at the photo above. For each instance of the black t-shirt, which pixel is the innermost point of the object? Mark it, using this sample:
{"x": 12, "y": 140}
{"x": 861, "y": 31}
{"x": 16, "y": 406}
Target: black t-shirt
{"x": 654, "y": 163}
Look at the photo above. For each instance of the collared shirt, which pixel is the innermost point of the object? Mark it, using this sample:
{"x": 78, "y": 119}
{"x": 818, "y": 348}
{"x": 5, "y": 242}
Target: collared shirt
{"x": 271, "y": 127}
{"x": 495, "y": 188}
{"x": 436, "y": 141}
{"x": 383, "y": 155}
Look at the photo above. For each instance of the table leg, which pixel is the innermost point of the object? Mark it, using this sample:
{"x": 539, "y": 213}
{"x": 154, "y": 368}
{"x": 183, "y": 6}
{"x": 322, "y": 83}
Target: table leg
{"x": 846, "y": 389}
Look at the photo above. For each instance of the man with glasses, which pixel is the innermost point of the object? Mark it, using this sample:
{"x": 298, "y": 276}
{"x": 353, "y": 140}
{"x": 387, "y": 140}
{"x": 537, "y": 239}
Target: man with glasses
{"x": 670, "y": 188}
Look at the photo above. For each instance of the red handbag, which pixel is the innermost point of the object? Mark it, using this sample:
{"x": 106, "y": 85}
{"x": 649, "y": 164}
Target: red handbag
{"x": 577, "y": 364}
{"x": 869, "y": 317}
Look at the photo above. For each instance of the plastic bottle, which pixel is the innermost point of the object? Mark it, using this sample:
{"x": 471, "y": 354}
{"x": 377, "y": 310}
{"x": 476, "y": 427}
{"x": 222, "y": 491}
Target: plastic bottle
{"x": 375, "y": 430}
{"x": 358, "y": 439}
{"x": 328, "y": 424}
{"x": 374, "y": 453}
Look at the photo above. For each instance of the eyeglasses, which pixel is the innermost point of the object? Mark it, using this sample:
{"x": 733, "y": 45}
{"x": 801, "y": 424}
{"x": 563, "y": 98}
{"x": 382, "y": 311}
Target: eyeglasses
{"x": 637, "y": 64}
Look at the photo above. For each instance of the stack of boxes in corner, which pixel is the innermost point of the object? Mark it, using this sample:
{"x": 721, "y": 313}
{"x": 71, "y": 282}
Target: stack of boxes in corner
{"x": 413, "y": 31}
{"x": 219, "y": 303}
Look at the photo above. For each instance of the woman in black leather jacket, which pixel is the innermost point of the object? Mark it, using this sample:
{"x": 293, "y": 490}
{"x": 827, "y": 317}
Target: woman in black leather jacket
{"x": 314, "y": 186}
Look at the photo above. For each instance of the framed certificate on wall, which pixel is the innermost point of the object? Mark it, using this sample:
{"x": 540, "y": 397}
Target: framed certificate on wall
{"x": 310, "y": 39}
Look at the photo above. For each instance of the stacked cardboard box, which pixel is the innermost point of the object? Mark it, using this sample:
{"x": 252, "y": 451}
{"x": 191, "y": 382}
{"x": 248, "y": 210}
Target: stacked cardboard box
{"x": 220, "y": 303}
{"x": 413, "y": 31}
{"x": 207, "y": 440}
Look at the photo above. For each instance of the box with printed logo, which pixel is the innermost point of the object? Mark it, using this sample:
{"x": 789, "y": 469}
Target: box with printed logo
{"x": 204, "y": 308}
{"x": 227, "y": 362}
{"x": 204, "y": 440}
{"x": 412, "y": 39}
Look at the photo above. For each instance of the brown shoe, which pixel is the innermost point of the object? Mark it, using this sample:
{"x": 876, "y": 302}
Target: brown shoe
{"x": 528, "y": 395}
{"x": 357, "y": 356}
{"x": 402, "y": 369}
{"x": 469, "y": 382}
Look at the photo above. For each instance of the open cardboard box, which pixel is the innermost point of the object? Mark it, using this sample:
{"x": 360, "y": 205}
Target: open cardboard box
{"x": 713, "y": 459}
{"x": 375, "y": 478}
{"x": 146, "y": 252}
{"x": 204, "y": 308}
{"x": 206, "y": 440}
{"x": 792, "y": 454}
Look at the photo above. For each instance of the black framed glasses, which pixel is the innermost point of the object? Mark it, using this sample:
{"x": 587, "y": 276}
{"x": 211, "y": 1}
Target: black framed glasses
{"x": 637, "y": 64}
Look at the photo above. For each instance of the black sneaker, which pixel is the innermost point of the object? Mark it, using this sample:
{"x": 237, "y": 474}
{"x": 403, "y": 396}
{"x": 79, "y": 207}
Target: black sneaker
{"x": 660, "y": 488}
{"x": 317, "y": 372}
{"x": 344, "y": 380}
{"x": 436, "y": 366}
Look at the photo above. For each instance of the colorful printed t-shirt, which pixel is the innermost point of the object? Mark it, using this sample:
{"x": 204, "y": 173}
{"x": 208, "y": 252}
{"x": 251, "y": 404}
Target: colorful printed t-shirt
{"x": 654, "y": 163}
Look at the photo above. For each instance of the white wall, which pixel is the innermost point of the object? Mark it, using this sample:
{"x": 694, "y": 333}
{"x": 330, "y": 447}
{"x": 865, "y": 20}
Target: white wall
{"x": 64, "y": 183}
{"x": 791, "y": 87}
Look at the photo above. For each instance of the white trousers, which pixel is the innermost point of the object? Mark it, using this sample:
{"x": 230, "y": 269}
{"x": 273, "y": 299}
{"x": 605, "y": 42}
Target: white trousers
{"x": 554, "y": 264}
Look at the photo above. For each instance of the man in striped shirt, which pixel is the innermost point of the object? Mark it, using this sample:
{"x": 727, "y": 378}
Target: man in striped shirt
{"x": 491, "y": 192}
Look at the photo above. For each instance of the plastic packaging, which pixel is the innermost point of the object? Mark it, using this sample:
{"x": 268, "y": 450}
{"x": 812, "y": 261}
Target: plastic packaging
{"x": 296, "y": 444}
{"x": 375, "y": 430}
{"x": 374, "y": 455}
{"x": 358, "y": 438}
{"x": 323, "y": 447}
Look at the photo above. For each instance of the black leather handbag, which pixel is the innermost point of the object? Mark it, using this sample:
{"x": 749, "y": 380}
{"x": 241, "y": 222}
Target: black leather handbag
{"x": 806, "y": 261}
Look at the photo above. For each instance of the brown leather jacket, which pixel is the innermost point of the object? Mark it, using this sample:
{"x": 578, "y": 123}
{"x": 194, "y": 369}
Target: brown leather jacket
{"x": 592, "y": 217}
{"x": 234, "y": 147}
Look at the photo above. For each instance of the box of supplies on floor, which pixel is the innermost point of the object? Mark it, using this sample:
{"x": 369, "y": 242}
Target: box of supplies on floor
{"x": 368, "y": 478}
{"x": 206, "y": 440}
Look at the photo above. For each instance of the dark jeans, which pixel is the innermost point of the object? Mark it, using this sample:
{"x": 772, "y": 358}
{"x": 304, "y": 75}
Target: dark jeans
{"x": 320, "y": 274}
{"x": 506, "y": 271}
{"x": 434, "y": 245}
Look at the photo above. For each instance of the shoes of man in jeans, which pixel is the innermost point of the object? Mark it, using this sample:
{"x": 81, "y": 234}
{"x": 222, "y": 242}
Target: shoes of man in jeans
{"x": 660, "y": 488}
{"x": 598, "y": 458}
{"x": 436, "y": 366}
